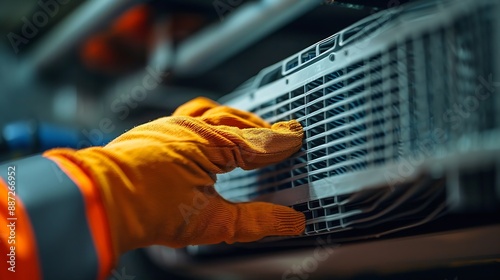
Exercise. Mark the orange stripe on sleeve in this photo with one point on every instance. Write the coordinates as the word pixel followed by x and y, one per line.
pixel 16 233
pixel 95 212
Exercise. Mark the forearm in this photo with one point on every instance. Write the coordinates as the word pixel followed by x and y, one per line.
pixel 61 226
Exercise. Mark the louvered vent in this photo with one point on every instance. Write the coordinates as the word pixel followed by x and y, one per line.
pixel 374 112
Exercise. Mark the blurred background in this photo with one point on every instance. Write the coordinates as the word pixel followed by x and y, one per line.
pixel 78 73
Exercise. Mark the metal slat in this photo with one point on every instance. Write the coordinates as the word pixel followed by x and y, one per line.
pixel 374 112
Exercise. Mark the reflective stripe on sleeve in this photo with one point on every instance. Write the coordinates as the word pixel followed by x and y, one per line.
pixel 17 240
pixel 56 208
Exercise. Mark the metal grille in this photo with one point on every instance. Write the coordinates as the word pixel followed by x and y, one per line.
pixel 377 111
pixel 366 209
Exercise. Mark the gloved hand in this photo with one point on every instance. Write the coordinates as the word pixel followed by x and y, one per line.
pixel 157 179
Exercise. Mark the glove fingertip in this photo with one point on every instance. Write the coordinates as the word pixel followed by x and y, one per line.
pixel 288 221
pixel 291 126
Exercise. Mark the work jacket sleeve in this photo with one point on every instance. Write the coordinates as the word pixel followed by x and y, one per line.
pixel 53 224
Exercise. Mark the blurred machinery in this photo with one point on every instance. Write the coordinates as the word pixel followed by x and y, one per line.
pixel 401 130
pixel 42 61
pixel 398 175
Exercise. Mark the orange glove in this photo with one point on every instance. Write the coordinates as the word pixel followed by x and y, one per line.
pixel 157 179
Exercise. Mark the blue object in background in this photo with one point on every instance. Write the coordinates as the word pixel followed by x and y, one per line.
pixel 34 137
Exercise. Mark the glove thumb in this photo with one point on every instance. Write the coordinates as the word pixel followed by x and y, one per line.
pixel 255 220
pixel 224 221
